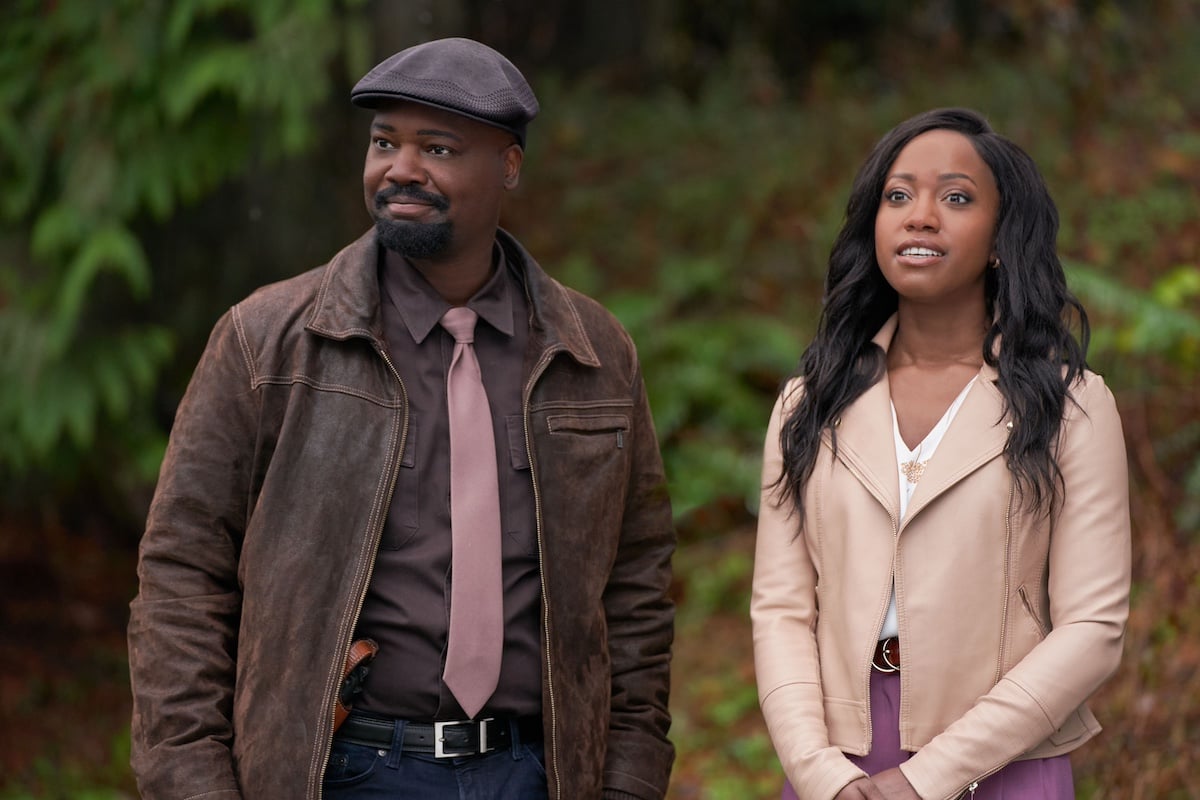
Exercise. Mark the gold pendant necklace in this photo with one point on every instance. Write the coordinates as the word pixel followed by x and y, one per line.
pixel 913 470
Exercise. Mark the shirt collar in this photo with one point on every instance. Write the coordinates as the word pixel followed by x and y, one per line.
pixel 421 307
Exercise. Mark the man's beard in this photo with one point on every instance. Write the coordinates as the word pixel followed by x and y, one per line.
pixel 414 239
pixel 406 237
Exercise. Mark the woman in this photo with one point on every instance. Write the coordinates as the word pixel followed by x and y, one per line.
pixel 942 567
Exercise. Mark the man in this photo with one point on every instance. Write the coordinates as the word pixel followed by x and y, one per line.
pixel 313 494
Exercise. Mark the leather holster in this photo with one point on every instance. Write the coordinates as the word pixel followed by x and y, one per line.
pixel 353 675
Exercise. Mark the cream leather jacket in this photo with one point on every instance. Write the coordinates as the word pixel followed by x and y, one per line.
pixel 1008 619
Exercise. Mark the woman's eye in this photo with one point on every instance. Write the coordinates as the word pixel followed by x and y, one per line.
pixel 894 196
pixel 958 198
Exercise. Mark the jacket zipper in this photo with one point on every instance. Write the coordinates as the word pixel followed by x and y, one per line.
pixel 879 619
pixel 537 505
pixel 375 536
pixel 1007 584
pixel 969 790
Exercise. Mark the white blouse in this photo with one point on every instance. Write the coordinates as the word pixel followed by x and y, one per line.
pixel 911 466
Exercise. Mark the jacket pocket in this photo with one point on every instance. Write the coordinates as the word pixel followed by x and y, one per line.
pixel 615 426
pixel 1032 612
pixel 590 444
pixel 404 517
pixel 520 523
pixel 582 455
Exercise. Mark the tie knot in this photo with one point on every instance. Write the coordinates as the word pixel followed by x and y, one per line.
pixel 460 323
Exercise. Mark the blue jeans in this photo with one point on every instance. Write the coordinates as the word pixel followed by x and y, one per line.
pixel 360 772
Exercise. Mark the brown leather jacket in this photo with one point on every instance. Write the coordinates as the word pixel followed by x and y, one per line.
pixel 262 535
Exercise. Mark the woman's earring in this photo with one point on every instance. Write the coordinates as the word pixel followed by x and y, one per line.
pixel 995 262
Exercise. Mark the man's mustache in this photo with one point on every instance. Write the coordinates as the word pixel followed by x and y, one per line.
pixel 411 193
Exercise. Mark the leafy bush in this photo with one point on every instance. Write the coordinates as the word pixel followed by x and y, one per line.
pixel 701 215
pixel 1151 340
pixel 705 221
pixel 111 113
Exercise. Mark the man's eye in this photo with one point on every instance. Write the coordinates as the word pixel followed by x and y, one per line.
pixel 439 150
pixel 383 144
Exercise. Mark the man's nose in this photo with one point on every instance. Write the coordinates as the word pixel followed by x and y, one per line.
pixel 405 167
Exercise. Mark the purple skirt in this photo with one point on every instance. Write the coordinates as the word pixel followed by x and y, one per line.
pixel 1037 779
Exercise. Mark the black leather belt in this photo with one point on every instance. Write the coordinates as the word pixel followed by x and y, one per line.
pixel 440 739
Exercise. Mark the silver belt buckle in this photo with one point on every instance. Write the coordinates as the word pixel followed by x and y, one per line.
pixel 439 739
pixel 887 659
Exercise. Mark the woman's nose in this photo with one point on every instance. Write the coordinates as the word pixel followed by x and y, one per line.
pixel 923 215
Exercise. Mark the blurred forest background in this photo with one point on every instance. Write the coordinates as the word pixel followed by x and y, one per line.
pixel 161 158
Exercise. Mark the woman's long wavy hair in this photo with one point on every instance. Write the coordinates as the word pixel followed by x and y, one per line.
pixel 1037 359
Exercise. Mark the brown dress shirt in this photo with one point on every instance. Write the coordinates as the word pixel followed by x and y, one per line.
pixel 407 608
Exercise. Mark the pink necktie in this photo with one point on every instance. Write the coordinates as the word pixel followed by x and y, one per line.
pixel 476 600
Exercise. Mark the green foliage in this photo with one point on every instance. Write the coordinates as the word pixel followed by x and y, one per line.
pixel 1161 323
pixel 692 251
pixel 61 771
pixel 708 369
pixel 57 781
pixel 113 113
pixel 701 215
pixel 704 220
pixel 1151 341
pixel 1127 229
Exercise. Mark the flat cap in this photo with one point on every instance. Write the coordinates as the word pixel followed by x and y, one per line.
pixel 458 75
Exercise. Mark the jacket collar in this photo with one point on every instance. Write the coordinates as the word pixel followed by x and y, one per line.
pixel 865 439
pixel 554 319
pixel 347 304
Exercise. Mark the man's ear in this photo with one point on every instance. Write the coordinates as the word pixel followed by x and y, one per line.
pixel 513 157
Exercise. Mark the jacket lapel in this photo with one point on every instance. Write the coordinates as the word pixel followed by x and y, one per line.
pixel 554 324
pixel 977 434
pixel 347 304
pixel 864 436
pixel 866 443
